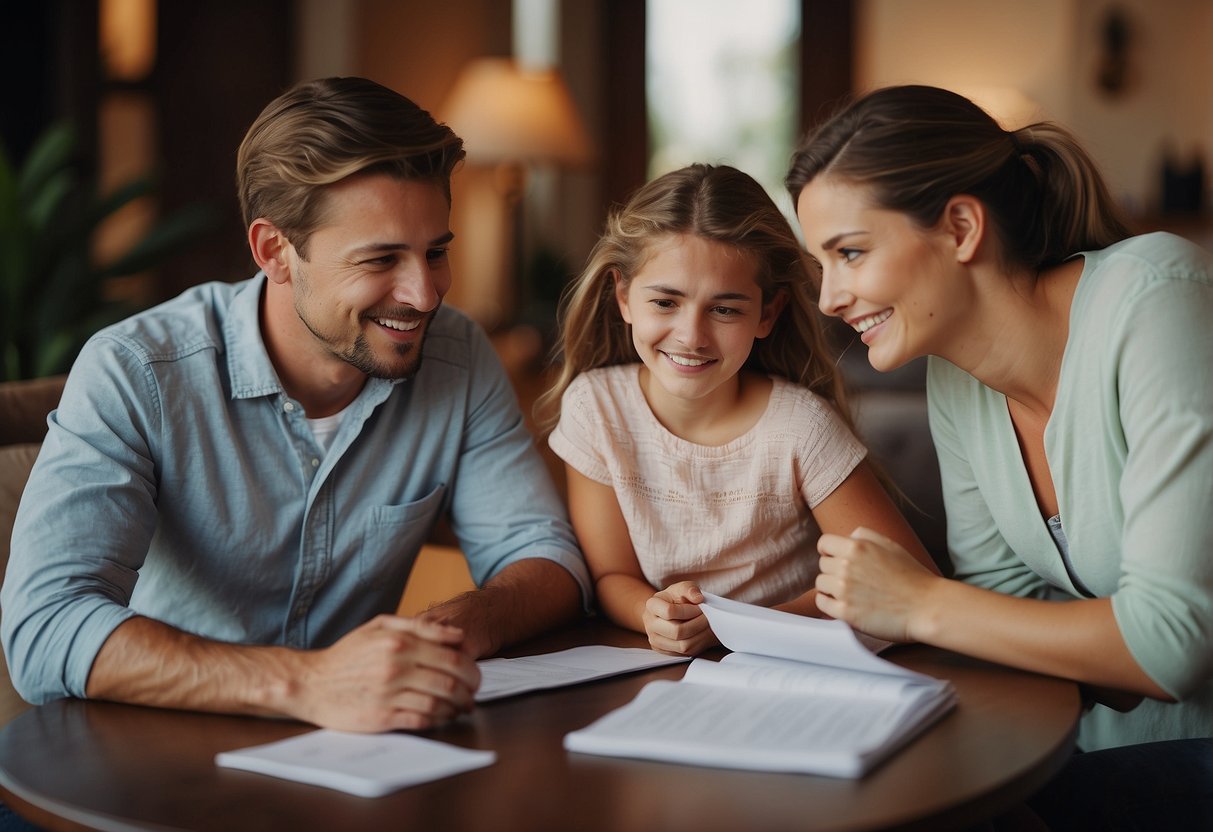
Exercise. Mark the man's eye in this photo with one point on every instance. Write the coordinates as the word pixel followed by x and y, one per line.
pixel 385 260
pixel 436 255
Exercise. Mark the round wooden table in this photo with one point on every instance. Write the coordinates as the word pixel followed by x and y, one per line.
pixel 73 764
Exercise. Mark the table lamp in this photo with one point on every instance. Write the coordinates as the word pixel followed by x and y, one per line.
pixel 511 118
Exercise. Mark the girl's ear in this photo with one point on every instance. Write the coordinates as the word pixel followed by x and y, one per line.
pixel 964 222
pixel 621 296
pixel 270 249
pixel 770 312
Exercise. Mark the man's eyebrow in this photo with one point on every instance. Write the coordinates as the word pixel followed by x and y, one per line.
pixel 667 290
pixel 374 247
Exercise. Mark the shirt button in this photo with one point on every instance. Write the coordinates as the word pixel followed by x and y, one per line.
pixel 315 463
pixel 289 407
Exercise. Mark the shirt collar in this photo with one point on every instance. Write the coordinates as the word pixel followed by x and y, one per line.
pixel 248 363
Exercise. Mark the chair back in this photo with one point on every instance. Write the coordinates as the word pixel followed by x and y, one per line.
pixel 24 406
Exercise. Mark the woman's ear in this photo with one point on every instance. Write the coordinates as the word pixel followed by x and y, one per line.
pixel 770 312
pixel 621 295
pixel 270 249
pixel 964 221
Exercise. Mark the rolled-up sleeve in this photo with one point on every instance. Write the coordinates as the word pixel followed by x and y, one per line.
pixel 505 507
pixel 1164 601
pixel 83 527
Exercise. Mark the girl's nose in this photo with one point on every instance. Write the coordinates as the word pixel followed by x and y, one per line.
pixel 689 330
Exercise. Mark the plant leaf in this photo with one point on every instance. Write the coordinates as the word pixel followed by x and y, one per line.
pixel 52 152
pixel 164 237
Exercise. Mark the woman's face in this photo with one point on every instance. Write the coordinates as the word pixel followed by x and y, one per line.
pixel 889 279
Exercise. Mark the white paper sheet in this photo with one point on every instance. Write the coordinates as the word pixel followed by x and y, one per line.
pixel 747 628
pixel 367 765
pixel 506 677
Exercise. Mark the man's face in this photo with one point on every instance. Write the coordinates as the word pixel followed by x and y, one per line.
pixel 376 272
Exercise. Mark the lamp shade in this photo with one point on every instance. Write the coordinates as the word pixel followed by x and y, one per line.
pixel 508 114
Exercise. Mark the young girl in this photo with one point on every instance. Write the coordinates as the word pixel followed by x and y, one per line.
pixel 703 427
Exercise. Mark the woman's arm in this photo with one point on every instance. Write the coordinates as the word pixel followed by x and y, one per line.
pixel 872 583
pixel 860 501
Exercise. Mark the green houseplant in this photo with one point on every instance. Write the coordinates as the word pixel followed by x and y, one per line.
pixel 51 290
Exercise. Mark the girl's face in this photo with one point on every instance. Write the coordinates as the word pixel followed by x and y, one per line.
pixel 887 277
pixel 695 308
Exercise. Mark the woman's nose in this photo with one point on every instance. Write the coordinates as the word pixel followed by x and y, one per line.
pixel 833 298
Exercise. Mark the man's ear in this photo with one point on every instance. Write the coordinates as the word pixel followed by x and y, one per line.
pixel 621 296
pixel 270 249
pixel 964 221
pixel 770 312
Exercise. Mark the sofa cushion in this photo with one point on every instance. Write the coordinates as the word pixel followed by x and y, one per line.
pixel 23 408
pixel 15 464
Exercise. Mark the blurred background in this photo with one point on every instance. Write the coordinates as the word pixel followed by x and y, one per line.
pixel 566 107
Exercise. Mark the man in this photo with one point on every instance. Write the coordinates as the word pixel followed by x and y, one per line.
pixel 235 486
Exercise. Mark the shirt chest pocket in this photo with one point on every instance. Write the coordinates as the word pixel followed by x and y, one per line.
pixel 393 536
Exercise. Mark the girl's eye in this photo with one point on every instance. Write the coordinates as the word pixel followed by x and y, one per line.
pixel 726 311
pixel 663 303
pixel 848 254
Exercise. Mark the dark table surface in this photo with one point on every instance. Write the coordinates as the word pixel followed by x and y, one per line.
pixel 73 764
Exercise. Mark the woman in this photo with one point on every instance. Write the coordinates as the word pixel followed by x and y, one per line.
pixel 1070 406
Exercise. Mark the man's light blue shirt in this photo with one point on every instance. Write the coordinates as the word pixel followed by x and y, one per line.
pixel 179 481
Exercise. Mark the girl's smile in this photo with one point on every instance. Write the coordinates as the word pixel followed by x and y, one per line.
pixel 695 308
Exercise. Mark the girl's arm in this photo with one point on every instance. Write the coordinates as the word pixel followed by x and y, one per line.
pixel 860 501
pixel 603 533
pixel 672 621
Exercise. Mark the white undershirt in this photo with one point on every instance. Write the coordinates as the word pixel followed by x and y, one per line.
pixel 325 428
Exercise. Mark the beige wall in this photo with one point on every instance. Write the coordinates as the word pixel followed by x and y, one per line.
pixel 1048 50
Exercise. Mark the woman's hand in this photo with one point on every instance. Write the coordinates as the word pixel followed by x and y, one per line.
pixel 872 583
pixel 675 624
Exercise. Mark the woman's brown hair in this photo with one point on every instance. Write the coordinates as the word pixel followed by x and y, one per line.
pixel 915 147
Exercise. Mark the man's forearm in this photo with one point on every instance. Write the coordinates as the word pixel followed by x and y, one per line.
pixel 523 600
pixel 146 662
pixel 387 674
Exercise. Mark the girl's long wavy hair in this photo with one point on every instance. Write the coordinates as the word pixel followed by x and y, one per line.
pixel 714 202
pixel 915 147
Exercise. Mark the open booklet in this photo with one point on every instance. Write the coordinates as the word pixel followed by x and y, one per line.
pixel 797 694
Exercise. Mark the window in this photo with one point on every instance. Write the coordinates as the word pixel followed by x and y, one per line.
pixel 722 85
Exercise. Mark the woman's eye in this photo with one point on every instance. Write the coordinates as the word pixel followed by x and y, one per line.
pixel 848 254
pixel 663 303
pixel 726 311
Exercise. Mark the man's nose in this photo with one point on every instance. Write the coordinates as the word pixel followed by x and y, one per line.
pixel 417 286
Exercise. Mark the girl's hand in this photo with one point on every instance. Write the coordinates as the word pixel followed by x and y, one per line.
pixel 872 583
pixel 674 622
